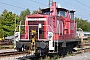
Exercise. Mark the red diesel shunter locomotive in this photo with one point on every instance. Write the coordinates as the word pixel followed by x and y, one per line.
pixel 52 31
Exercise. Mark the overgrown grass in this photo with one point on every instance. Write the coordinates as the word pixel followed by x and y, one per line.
pixel 89 38
pixel 0 47
pixel 7 46
pixel 56 57
pixel 70 54
pixel 47 58
pixel 50 58
pixel 41 58
pixel 11 46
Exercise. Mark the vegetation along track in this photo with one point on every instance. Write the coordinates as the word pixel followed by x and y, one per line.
pixel 6 45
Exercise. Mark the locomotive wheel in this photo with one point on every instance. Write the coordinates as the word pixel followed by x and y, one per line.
pixel 43 48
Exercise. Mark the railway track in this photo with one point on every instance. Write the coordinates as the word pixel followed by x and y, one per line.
pixel 3 54
pixel 85 48
pixel 6 43
pixel 27 56
pixel 37 58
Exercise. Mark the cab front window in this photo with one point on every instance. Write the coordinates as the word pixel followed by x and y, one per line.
pixel 48 12
pixel 62 13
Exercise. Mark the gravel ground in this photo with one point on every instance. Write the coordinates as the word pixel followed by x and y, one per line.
pixel 82 56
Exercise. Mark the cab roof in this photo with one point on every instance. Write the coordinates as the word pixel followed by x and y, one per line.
pixel 48 9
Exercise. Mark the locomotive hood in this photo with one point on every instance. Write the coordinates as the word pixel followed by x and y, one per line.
pixel 36 16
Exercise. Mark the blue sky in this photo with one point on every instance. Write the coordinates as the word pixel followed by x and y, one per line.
pixel 82 11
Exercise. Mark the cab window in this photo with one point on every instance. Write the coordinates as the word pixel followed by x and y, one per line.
pixel 62 13
pixel 71 15
pixel 48 12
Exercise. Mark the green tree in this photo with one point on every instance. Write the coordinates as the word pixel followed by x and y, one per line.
pixel 22 18
pixel 7 22
pixel 35 11
pixel 23 14
pixel 1 30
pixel 84 24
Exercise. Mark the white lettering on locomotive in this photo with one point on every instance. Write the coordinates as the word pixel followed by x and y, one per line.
pixel 35 19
